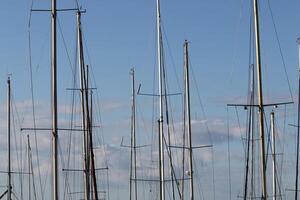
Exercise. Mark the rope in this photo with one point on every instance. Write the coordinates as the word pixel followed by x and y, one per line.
pixel 207 128
pixel 280 50
pixel 33 105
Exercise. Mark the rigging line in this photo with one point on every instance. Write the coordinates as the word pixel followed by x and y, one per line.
pixel 170 119
pixel 171 166
pixel 97 94
pixel 47 174
pixel 33 112
pixel 200 100
pixel 32 172
pixel 283 144
pixel 235 43
pixel 63 164
pixel 167 120
pixel 153 186
pixel 30 13
pixel 205 118
pixel 278 177
pixel 99 112
pixel 18 147
pixel 77 4
pixel 65 45
pixel 268 139
pixel 280 50
pixel 229 157
pixel 72 117
pixel 139 111
pixel 240 128
pixel 197 174
pixel 171 56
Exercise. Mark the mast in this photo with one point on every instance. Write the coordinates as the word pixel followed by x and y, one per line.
pixel 188 117
pixel 160 121
pixel 274 155
pixel 249 130
pixel 260 101
pixel 93 170
pixel 29 168
pixel 54 102
pixel 83 110
pixel 298 129
pixel 8 141
pixel 133 142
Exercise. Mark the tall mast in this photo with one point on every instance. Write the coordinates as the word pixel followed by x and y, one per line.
pixel 298 129
pixel 188 118
pixel 54 103
pixel 260 101
pixel 93 169
pixel 133 142
pixel 8 142
pixel 160 121
pixel 83 110
pixel 274 154
pixel 29 168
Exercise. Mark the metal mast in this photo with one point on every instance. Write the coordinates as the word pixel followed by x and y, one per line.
pixel 133 142
pixel 160 121
pixel 298 130
pixel 188 117
pixel 29 168
pixel 83 110
pixel 54 102
pixel 274 155
pixel 260 101
pixel 90 129
pixel 8 141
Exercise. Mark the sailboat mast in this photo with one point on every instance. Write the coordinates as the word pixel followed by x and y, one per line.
pixel 29 167
pixel 260 101
pixel 188 117
pixel 83 110
pixel 274 155
pixel 8 142
pixel 93 169
pixel 298 130
pixel 160 121
pixel 133 140
pixel 54 102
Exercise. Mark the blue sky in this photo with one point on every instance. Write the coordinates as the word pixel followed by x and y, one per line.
pixel 121 34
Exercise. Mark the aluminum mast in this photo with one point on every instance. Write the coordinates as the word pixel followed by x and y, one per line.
pixel 83 109
pixel 188 117
pixel 133 141
pixel 274 154
pixel 260 101
pixel 160 121
pixel 298 129
pixel 54 102
pixel 8 141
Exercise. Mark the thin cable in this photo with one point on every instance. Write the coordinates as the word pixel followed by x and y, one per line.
pixel 33 106
pixel 280 50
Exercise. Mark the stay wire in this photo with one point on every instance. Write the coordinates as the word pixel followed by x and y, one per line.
pixel 207 128
pixel 280 50
pixel 18 147
pixel 33 104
